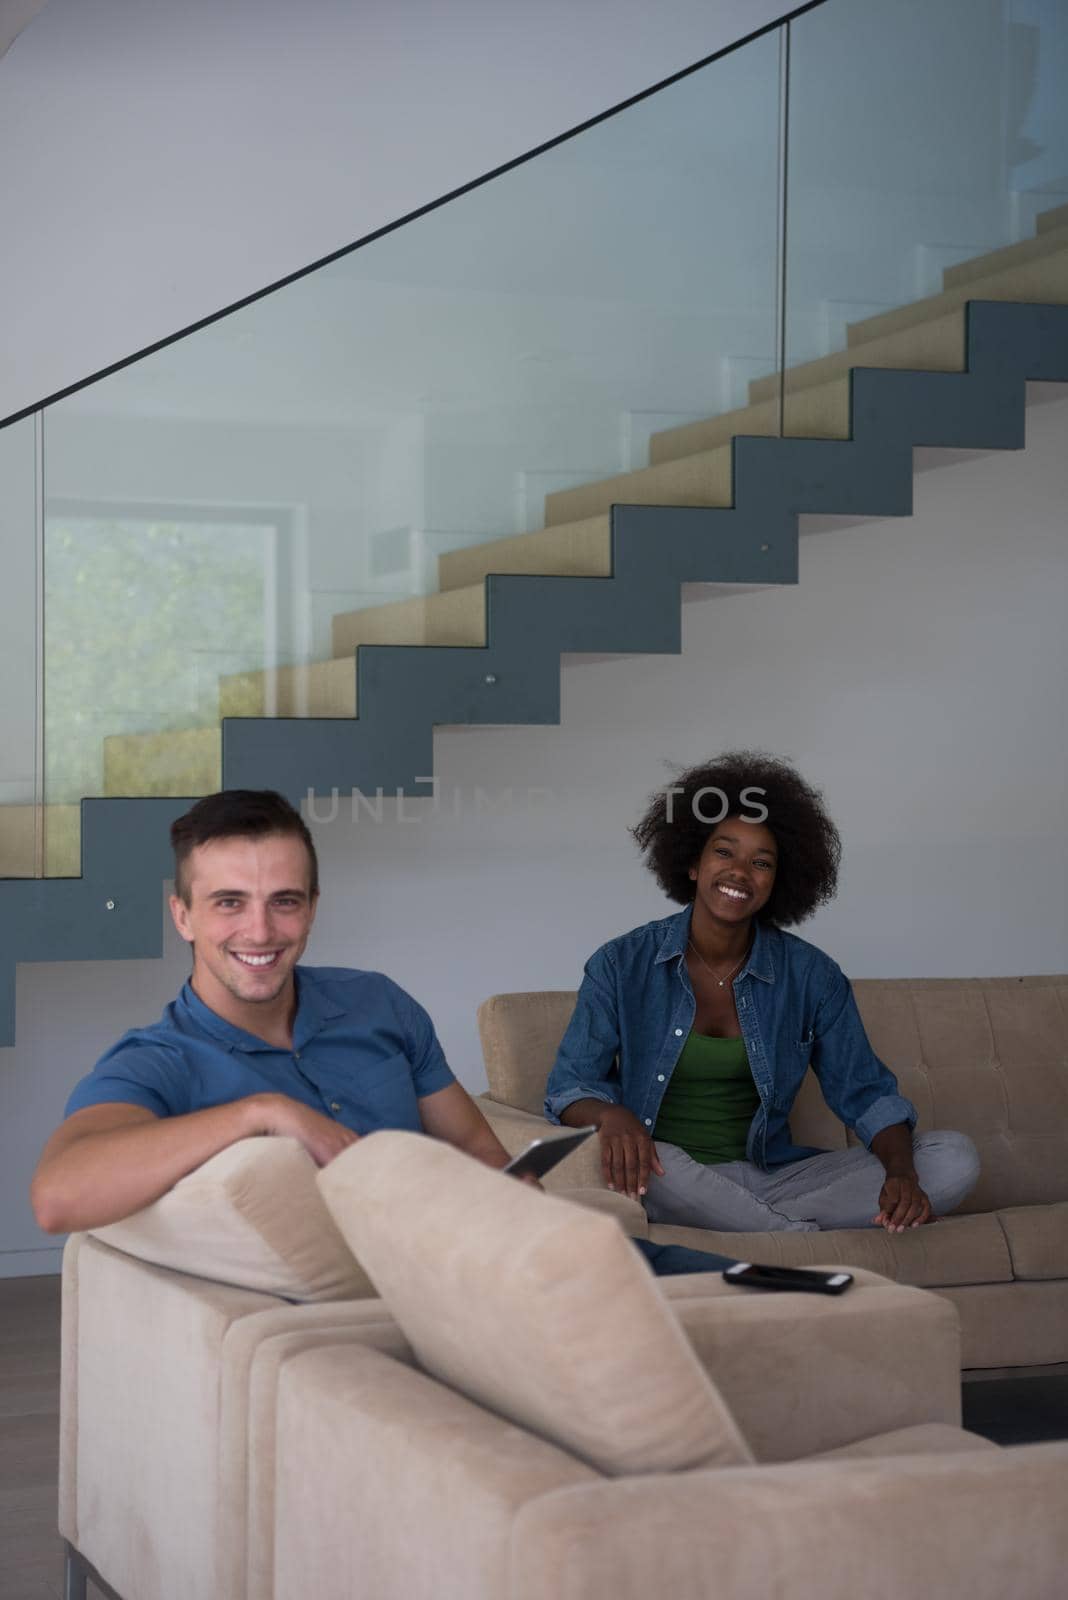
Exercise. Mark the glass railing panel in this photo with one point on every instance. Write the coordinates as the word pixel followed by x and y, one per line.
pixel 22 844
pixel 214 508
pixel 928 164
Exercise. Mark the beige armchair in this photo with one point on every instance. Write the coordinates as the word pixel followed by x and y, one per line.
pixel 176 1324
pixel 985 1056
pixel 566 1427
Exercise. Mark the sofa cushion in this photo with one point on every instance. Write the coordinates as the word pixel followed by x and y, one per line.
pixel 540 1310
pixel 954 1250
pixel 251 1216
pixel 1037 1237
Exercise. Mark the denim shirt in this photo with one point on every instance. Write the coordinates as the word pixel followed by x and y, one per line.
pixel 796 1009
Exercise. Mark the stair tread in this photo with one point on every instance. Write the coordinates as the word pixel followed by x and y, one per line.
pixel 871 342
pixel 451 616
pixel 821 412
pixel 1008 255
pixel 307 689
pixel 61 842
pixel 578 549
pixel 979 285
pixel 1056 217
pixel 702 478
pixel 177 761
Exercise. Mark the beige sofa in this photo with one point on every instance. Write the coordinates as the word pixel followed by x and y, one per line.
pixel 986 1056
pixel 177 1482
pixel 565 1429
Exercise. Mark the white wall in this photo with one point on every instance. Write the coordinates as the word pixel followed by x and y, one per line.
pixel 159 161
pixel 916 673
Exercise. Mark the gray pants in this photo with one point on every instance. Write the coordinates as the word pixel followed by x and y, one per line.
pixel 836 1190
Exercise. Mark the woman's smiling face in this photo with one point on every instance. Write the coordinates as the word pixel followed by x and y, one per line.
pixel 735 873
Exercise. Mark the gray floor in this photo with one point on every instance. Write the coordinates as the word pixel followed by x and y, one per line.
pixel 31 1565
pixel 1009 1410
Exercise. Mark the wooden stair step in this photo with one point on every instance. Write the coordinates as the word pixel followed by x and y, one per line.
pixel 927 335
pixel 62 844
pixel 1010 255
pixel 933 345
pixel 702 479
pixel 317 689
pixel 1057 217
pixel 1038 280
pixel 818 413
pixel 182 761
pixel 569 550
pixel 455 617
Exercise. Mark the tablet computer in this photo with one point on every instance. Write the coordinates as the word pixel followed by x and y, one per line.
pixel 541 1155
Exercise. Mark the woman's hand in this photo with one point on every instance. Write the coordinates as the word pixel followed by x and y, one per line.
pixel 902 1204
pixel 628 1153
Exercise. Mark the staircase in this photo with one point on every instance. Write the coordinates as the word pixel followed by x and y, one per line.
pixel 718 503
pixel 690 466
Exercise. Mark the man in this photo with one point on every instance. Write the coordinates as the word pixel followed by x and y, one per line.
pixel 255 1044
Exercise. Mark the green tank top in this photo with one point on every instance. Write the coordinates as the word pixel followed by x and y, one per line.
pixel 710 1101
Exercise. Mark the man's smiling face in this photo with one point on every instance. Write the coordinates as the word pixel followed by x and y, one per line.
pixel 248 917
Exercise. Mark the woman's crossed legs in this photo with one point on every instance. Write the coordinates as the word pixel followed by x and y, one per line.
pixel 839 1189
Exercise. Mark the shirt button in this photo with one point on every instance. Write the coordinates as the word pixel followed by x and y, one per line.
pixel 648 1122
pixel 678 1033
pixel 660 1077
pixel 335 1105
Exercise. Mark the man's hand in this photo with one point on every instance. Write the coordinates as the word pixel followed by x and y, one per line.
pixel 321 1136
pixel 902 1204
pixel 628 1153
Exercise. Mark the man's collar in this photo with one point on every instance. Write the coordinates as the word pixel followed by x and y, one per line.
pixel 314 1010
pixel 761 962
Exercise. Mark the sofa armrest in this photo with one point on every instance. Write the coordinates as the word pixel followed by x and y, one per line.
pixel 979 1525
pixel 804 1373
pixel 515 1129
pixel 390 1484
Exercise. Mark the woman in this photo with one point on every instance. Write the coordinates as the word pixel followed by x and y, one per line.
pixel 692 1034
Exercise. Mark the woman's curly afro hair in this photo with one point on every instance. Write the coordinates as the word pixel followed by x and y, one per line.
pixel 672 833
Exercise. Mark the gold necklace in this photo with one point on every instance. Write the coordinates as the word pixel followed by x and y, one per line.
pixel 722 982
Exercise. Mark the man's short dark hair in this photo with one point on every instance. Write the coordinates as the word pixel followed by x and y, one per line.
pixel 237 814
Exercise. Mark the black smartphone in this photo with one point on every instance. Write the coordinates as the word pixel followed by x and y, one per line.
pixel 541 1155
pixel 753 1276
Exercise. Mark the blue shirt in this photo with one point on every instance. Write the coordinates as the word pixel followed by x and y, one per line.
pixel 636 1007
pixel 363 1053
